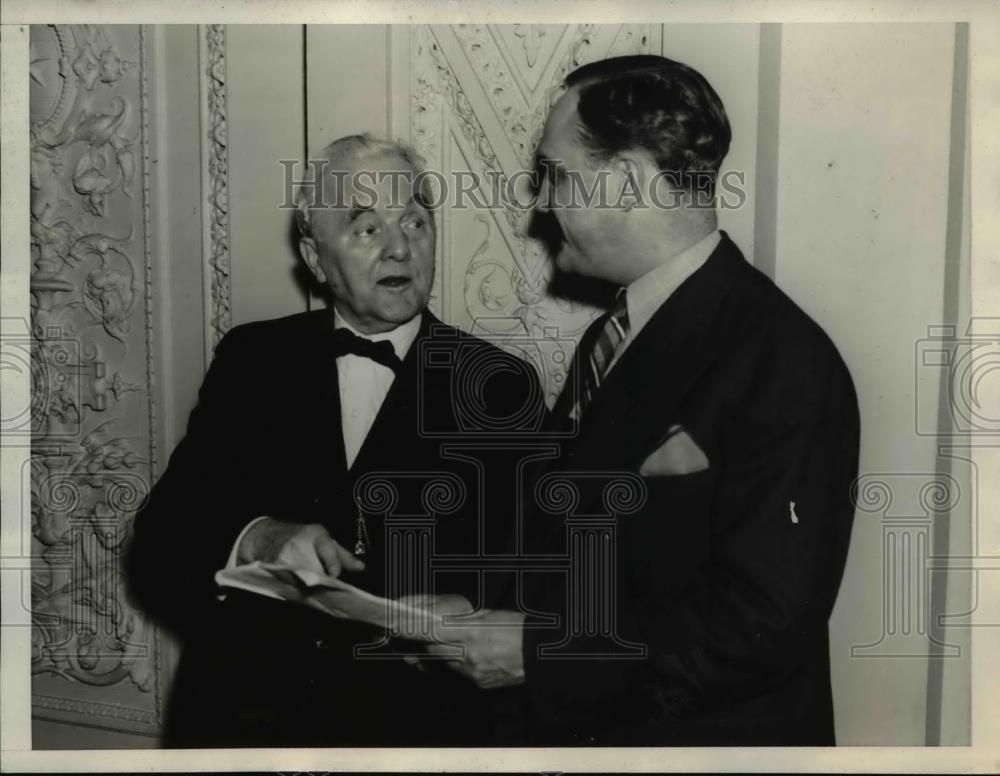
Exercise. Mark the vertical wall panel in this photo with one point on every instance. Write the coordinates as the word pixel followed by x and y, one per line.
pixel 16 398
pixel 984 196
pixel 949 681
pixel 765 200
pixel 734 78
pixel 265 123
pixel 176 223
pixel 92 429
pixel 862 215
pixel 347 76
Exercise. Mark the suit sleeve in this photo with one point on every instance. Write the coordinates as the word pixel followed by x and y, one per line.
pixel 780 530
pixel 186 530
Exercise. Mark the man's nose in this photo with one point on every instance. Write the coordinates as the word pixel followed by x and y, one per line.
pixel 397 247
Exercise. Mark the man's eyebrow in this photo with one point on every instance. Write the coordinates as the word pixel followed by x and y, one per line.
pixel 356 211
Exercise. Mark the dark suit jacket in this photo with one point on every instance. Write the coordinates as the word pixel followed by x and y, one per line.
pixel 728 594
pixel 266 439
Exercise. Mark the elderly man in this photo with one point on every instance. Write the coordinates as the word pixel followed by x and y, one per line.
pixel 291 415
pixel 734 409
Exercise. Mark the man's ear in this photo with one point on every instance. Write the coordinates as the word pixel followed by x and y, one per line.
pixel 310 254
pixel 632 179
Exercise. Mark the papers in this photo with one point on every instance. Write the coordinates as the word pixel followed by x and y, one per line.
pixel 332 596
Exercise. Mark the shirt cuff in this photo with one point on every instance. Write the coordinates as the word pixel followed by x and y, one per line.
pixel 233 562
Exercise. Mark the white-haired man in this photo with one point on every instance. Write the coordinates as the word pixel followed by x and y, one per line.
pixel 292 414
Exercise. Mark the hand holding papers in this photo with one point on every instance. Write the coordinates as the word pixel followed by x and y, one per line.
pixel 483 646
pixel 332 596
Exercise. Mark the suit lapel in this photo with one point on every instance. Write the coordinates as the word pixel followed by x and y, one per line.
pixel 323 423
pixel 397 417
pixel 641 395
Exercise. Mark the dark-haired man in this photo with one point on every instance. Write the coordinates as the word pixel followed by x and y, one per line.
pixel 734 409
pixel 292 415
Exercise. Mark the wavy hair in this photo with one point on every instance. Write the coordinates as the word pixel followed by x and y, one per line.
pixel 657 105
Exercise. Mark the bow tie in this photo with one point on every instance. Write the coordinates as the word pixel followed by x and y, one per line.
pixel 381 352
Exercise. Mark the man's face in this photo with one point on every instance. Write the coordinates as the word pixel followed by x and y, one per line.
pixel 376 256
pixel 589 232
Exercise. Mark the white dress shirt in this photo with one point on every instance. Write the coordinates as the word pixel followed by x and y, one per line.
pixel 363 385
pixel 645 295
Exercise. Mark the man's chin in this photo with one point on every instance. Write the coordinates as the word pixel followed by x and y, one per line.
pixel 402 310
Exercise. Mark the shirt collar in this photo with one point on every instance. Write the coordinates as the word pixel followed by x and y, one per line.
pixel 402 337
pixel 646 294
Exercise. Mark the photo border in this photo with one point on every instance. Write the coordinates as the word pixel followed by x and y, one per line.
pixel 984 86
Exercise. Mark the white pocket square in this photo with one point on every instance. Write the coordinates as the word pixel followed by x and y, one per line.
pixel 678 454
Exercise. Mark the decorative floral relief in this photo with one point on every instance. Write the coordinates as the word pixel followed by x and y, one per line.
pixel 504 282
pixel 493 72
pixel 90 414
pixel 487 283
pixel 108 291
pixel 106 66
pixel 427 117
pixel 80 503
pixel 218 175
pixel 106 164
pixel 631 39
pixel 530 35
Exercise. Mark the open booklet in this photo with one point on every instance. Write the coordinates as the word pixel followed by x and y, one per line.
pixel 332 596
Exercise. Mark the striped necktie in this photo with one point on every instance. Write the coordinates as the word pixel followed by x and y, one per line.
pixel 596 353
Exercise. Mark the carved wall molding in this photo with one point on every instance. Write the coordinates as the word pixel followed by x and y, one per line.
pixel 530 35
pixel 147 242
pixel 215 153
pixel 461 77
pixel 90 709
pixel 92 409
